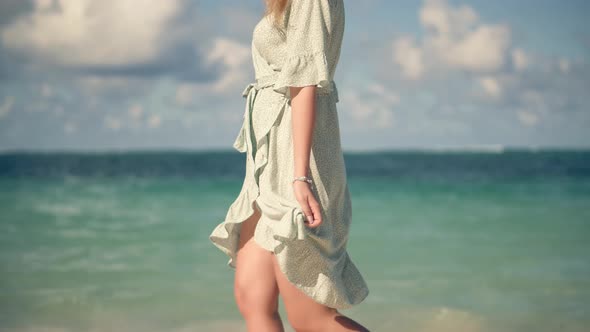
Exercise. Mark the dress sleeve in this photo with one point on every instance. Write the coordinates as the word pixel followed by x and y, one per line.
pixel 308 30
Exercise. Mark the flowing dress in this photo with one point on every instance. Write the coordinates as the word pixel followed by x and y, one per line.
pixel 304 51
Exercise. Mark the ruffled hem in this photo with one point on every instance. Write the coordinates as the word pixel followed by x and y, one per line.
pixel 224 236
pixel 303 70
pixel 287 224
pixel 336 290
pixel 290 216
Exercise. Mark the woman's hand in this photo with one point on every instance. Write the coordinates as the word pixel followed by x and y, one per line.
pixel 308 203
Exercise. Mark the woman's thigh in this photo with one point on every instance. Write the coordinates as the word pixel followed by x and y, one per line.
pixel 302 310
pixel 255 286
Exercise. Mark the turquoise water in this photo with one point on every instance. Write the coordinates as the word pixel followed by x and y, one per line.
pixel 446 241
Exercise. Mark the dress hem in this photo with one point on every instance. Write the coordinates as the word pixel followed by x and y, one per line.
pixel 223 242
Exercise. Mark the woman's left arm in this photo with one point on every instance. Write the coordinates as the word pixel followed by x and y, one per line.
pixel 303 109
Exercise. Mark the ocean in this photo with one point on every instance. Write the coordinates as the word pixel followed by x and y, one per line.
pixel 462 241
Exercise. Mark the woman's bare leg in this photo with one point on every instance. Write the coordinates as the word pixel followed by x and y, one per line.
pixel 255 288
pixel 305 314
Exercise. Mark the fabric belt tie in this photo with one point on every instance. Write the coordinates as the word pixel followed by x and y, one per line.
pixel 249 93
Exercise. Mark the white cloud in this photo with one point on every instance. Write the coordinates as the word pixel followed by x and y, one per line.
pixel 154 121
pixel 135 118
pixel 457 46
pixel 527 118
pixel 96 86
pixel 387 96
pixel 373 106
pixel 229 52
pixel 6 106
pixel 564 65
pixel 70 127
pixel 445 21
pixel 235 60
pixel 482 50
pixel 112 122
pixel 233 56
pixel 86 32
pixel 454 39
pixel 135 111
pixel 534 100
pixel 491 86
pixel 408 57
pixel 520 59
pixel 46 90
pixel 43 4
pixel 135 114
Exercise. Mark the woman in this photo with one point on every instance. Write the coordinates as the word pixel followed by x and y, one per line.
pixel 288 229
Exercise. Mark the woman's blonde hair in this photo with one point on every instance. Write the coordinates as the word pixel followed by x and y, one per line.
pixel 276 9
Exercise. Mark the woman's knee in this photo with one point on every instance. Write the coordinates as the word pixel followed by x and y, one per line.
pixel 255 287
pixel 253 301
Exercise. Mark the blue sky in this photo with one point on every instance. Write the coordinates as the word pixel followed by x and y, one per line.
pixel 139 74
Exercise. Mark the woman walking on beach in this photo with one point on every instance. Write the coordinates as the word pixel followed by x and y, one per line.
pixel 287 231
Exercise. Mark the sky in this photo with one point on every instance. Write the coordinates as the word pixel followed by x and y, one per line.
pixel 433 74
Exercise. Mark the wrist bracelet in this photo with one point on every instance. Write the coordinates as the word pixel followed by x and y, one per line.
pixel 302 178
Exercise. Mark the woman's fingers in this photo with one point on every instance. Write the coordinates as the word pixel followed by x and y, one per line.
pixel 315 210
pixel 308 203
pixel 307 210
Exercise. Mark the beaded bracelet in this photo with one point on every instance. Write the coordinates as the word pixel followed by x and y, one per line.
pixel 302 178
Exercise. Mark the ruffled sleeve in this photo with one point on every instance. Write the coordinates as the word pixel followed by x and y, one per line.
pixel 308 31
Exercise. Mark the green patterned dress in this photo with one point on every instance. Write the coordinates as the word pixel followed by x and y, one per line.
pixel 305 51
